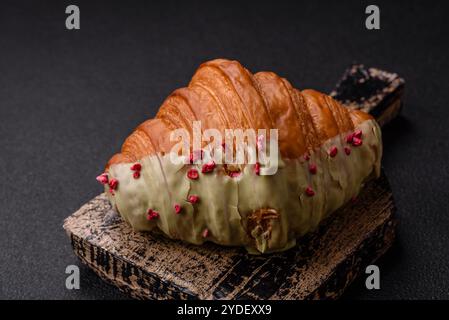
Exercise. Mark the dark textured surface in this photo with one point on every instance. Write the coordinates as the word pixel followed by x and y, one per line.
pixel 68 99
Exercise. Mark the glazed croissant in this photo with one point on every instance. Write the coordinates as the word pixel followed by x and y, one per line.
pixel 326 153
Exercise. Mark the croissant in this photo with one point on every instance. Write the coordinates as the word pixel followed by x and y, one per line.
pixel 326 153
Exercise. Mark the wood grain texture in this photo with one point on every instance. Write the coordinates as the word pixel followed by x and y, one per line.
pixel 372 90
pixel 321 266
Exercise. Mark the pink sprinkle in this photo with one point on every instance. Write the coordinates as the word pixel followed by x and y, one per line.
pixel 208 167
pixel 257 168
pixel 136 175
pixel 136 167
pixel 333 151
pixel 103 178
pixel 192 174
pixel 348 150
pixel 312 168
pixel 356 142
pixel 113 184
pixel 152 214
pixel 193 199
pixel 178 208
pixel 310 192
pixel 234 174
pixel 349 137
pixel 205 233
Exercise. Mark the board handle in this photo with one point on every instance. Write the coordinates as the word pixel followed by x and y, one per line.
pixel 375 91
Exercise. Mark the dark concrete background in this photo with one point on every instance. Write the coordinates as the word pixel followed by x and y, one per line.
pixel 69 98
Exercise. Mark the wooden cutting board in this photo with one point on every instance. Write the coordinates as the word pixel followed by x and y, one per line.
pixel 321 266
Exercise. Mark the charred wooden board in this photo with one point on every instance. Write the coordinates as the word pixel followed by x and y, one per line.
pixel 147 265
pixel 372 90
pixel 321 266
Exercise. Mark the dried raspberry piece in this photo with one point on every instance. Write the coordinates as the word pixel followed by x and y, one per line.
pixel 333 151
pixel 232 170
pixel 208 167
pixel 192 174
pixel 136 175
pixel 355 135
pixel 136 167
pixel 347 151
pixel 205 233
pixel 306 157
pixel 103 178
pixel 177 208
pixel 312 168
pixel 356 142
pixel 257 168
pixel 193 199
pixel 349 137
pixel 309 191
pixel 152 214
pixel 113 184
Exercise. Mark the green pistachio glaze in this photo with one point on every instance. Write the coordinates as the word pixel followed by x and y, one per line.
pixel 226 203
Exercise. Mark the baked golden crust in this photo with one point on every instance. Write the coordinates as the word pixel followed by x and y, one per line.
pixel 224 95
pixel 326 154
